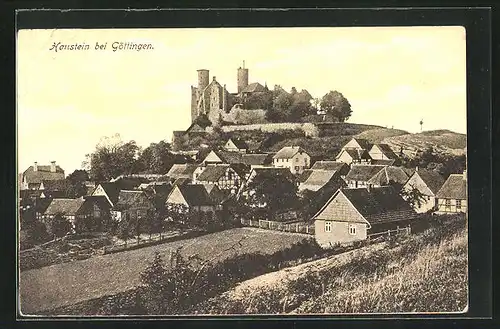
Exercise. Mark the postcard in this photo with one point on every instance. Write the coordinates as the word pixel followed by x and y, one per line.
pixel 242 171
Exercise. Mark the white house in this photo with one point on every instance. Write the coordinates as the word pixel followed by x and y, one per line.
pixel 293 158
pixel 428 183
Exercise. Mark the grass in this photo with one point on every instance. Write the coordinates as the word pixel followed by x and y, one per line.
pixel 425 272
pixel 66 284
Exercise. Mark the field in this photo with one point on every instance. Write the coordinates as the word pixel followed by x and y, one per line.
pixel 425 272
pixel 65 284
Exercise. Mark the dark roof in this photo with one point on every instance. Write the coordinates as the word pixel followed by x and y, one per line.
pixel 389 174
pixel 317 179
pixel 328 165
pixel 182 181
pixel 254 87
pixel 159 194
pixel 195 195
pixel 239 143
pixel 42 204
pixel 64 206
pixel 112 190
pixel 387 151
pixel 182 170
pixel 216 194
pixel 229 157
pixel 213 173
pixel 455 187
pixel 256 159
pixel 178 133
pixel 379 204
pixel 365 144
pixel 383 162
pixel 362 173
pixel 431 178
pixel 357 154
pixel 42 173
pixel 195 128
pixel 288 152
pixel 241 169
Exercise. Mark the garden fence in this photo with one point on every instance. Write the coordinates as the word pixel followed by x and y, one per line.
pixel 294 227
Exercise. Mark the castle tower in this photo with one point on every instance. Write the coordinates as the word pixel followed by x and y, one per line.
pixel 242 80
pixel 203 80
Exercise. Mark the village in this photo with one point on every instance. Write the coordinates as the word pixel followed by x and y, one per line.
pixel 364 192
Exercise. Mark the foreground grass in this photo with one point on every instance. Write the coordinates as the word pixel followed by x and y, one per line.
pixel 425 272
pixel 70 283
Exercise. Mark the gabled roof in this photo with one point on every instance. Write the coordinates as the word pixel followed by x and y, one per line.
pixel 356 154
pixel 69 207
pixel 387 151
pixel 239 143
pixel 254 87
pixel 229 157
pixel 288 152
pixel 383 162
pixel 431 178
pixel 182 170
pixel 213 173
pixel 363 143
pixel 112 190
pixel 362 173
pixel 389 174
pixel 181 181
pixel 317 179
pixel 455 187
pixel 42 173
pixel 216 194
pixel 380 204
pixel 195 128
pixel 328 165
pixel 256 159
pixel 195 195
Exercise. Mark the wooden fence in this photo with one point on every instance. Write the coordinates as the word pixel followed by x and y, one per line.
pixel 397 231
pixel 295 227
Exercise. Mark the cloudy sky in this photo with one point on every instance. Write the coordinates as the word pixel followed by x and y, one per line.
pixel 68 100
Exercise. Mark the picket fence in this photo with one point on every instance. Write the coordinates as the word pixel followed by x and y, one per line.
pixel 133 243
pixel 397 231
pixel 293 227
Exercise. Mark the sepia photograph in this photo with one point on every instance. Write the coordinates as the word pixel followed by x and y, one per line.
pixel 242 171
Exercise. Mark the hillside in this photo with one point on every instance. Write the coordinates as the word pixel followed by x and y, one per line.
pixel 442 141
pixel 425 272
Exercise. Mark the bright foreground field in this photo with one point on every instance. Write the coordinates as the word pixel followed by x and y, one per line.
pixel 422 273
pixel 65 284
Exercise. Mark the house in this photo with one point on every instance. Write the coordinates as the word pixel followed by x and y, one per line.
pixel 216 195
pixel 356 156
pixel 257 159
pixel 236 145
pixel 132 204
pixel 452 196
pixel 357 144
pixel 79 212
pixel 352 214
pixel 222 175
pixel 100 210
pixel 388 175
pixel 192 197
pixel 317 179
pixel 264 172
pixel 33 177
pixel 359 175
pixel 109 190
pixel 428 183
pixel 215 157
pixel 185 170
pixel 292 157
pixel 341 167
pixel 382 152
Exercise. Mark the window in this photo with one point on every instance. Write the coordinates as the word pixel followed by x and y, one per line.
pixel 459 204
pixel 352 229
pixel 328 226
pixel 297 168
pixel 447 203
pixel 296 159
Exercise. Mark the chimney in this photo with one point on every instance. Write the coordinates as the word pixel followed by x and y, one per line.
pixel 35 166
pixel 52 166
pixel 214 78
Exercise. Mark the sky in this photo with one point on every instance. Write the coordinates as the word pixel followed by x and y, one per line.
pixel 68 100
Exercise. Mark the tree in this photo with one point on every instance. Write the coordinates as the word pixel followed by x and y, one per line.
pixel 282 105
pixel 112 157
pixel 58 226
pixel 336 105
pixel 75 184
pixel 271 192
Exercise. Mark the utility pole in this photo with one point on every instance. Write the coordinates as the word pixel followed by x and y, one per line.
pixel 421 124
